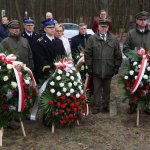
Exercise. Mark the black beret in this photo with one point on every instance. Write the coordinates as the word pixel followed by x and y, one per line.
pixel 104 22
pixel 142 15
pixel 14 24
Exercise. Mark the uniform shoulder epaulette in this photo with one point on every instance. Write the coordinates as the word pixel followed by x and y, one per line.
pixel 40 39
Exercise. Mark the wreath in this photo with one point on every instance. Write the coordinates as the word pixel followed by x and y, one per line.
pixel 17 89
pixel 63 102
pixel 136 80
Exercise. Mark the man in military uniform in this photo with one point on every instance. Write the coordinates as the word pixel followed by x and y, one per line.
pixel 136 38
pixel 48 49
pixel 103 58
pixel 32 37
pixel 19 44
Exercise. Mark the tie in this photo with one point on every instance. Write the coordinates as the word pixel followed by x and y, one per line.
pixel 30 35
pixel 103 36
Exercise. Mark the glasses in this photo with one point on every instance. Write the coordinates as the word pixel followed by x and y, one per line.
pixel 59 31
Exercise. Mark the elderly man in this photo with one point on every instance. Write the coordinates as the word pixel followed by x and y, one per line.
pixel 17 43
pixel 103 58
pixel 136 38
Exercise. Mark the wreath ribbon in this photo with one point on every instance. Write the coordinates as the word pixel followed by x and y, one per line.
pixel 141 52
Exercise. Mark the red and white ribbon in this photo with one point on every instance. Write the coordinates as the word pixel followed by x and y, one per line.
pixel 140 52
pixel 65 64
pixel 8 59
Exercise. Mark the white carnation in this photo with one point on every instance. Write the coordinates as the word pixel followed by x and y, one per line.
pixel 0 67
pixel 59 71
pixel 26 81
pixel 71 71
pixel 14 84
pixel 148 68
pixel 71 90
pixel 131 72
pixel 139 66
pixel 52 91
pixel 135 63
pixel 75 83
pixel 79 75
pixel 67 74
pixel 58 78
pixel 61 84
pixel 5 78
pixel 126 77
pixel 82 67
pixel 52 83
pixel 9 94
pixel 77 95
pixel 9 66
pixel 135 77
pixel 70 84
pixel 67 94
pixel 72 77
pixel 64 89
pixel 80 87
pixel 81 91
pixel 145 76
pixel 58 93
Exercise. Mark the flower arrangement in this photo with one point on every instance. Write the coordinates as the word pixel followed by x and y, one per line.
pixel 136 80
pixel 9 90
pixel 63 100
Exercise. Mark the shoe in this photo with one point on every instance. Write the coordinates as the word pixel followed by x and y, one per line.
pixel 105 109
pixel 95 111
pixel 131 110
pixel 147 111
pixel 13 125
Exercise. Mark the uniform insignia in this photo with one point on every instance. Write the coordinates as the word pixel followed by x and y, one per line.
pixel 40 39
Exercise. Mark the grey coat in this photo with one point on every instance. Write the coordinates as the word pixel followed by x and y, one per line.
pixel 22 48
pixel 103 58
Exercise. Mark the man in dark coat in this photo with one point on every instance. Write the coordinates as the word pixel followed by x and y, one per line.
pixel 3 28
pixel 103 58
pixel 48 49
pixel 79 40
pixel 136 38
pixel 32 37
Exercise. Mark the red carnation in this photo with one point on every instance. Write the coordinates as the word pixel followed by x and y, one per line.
pixel 4 106
pixel 67 117
pixel 76 103
pixel 64 121
pixel 27 97
pixel 70 115
pixel 72 120
pixel 58 104
pixel 141 93
pixel 60 111
pixel 140 86
pixel 68 109
pixel 82 96
pixel 128 84
pixel 25 86
pixel 75 109
pixel 51 102
pixel 63 106
pixel 84 102
pixel 147 87
pixel 135 99
pixel 74 97
pixel 54 113
pixel 63 97
pixel 14 93
pixel 72 105
pixel 69 100
pixel 79 108
pixel 61 122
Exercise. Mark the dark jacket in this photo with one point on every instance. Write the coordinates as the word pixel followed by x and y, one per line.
pixel 22 48
pixel 76 41
pixel 103 58
pixel 3 32
pixel 136 39
pixel 47 52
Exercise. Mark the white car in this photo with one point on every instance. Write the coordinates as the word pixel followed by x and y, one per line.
pixel 72 29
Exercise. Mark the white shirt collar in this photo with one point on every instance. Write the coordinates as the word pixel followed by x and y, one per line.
pixel 50 37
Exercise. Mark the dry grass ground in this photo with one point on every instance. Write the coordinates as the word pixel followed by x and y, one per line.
pixel 95 132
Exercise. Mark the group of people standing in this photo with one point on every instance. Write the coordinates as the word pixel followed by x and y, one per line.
pixel 103 55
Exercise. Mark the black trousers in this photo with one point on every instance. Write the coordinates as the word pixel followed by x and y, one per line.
pixel 101 92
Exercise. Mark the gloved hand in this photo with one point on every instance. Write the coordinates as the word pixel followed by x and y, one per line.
pixel 45 67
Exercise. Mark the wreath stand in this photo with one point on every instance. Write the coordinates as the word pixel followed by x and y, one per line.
pixel 138 116
pixel 2 132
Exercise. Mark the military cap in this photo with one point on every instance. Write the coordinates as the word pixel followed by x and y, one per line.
pixel 14 24
pixel 28 21
pixel 142 15
pixel 104 22
pixel 48 23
